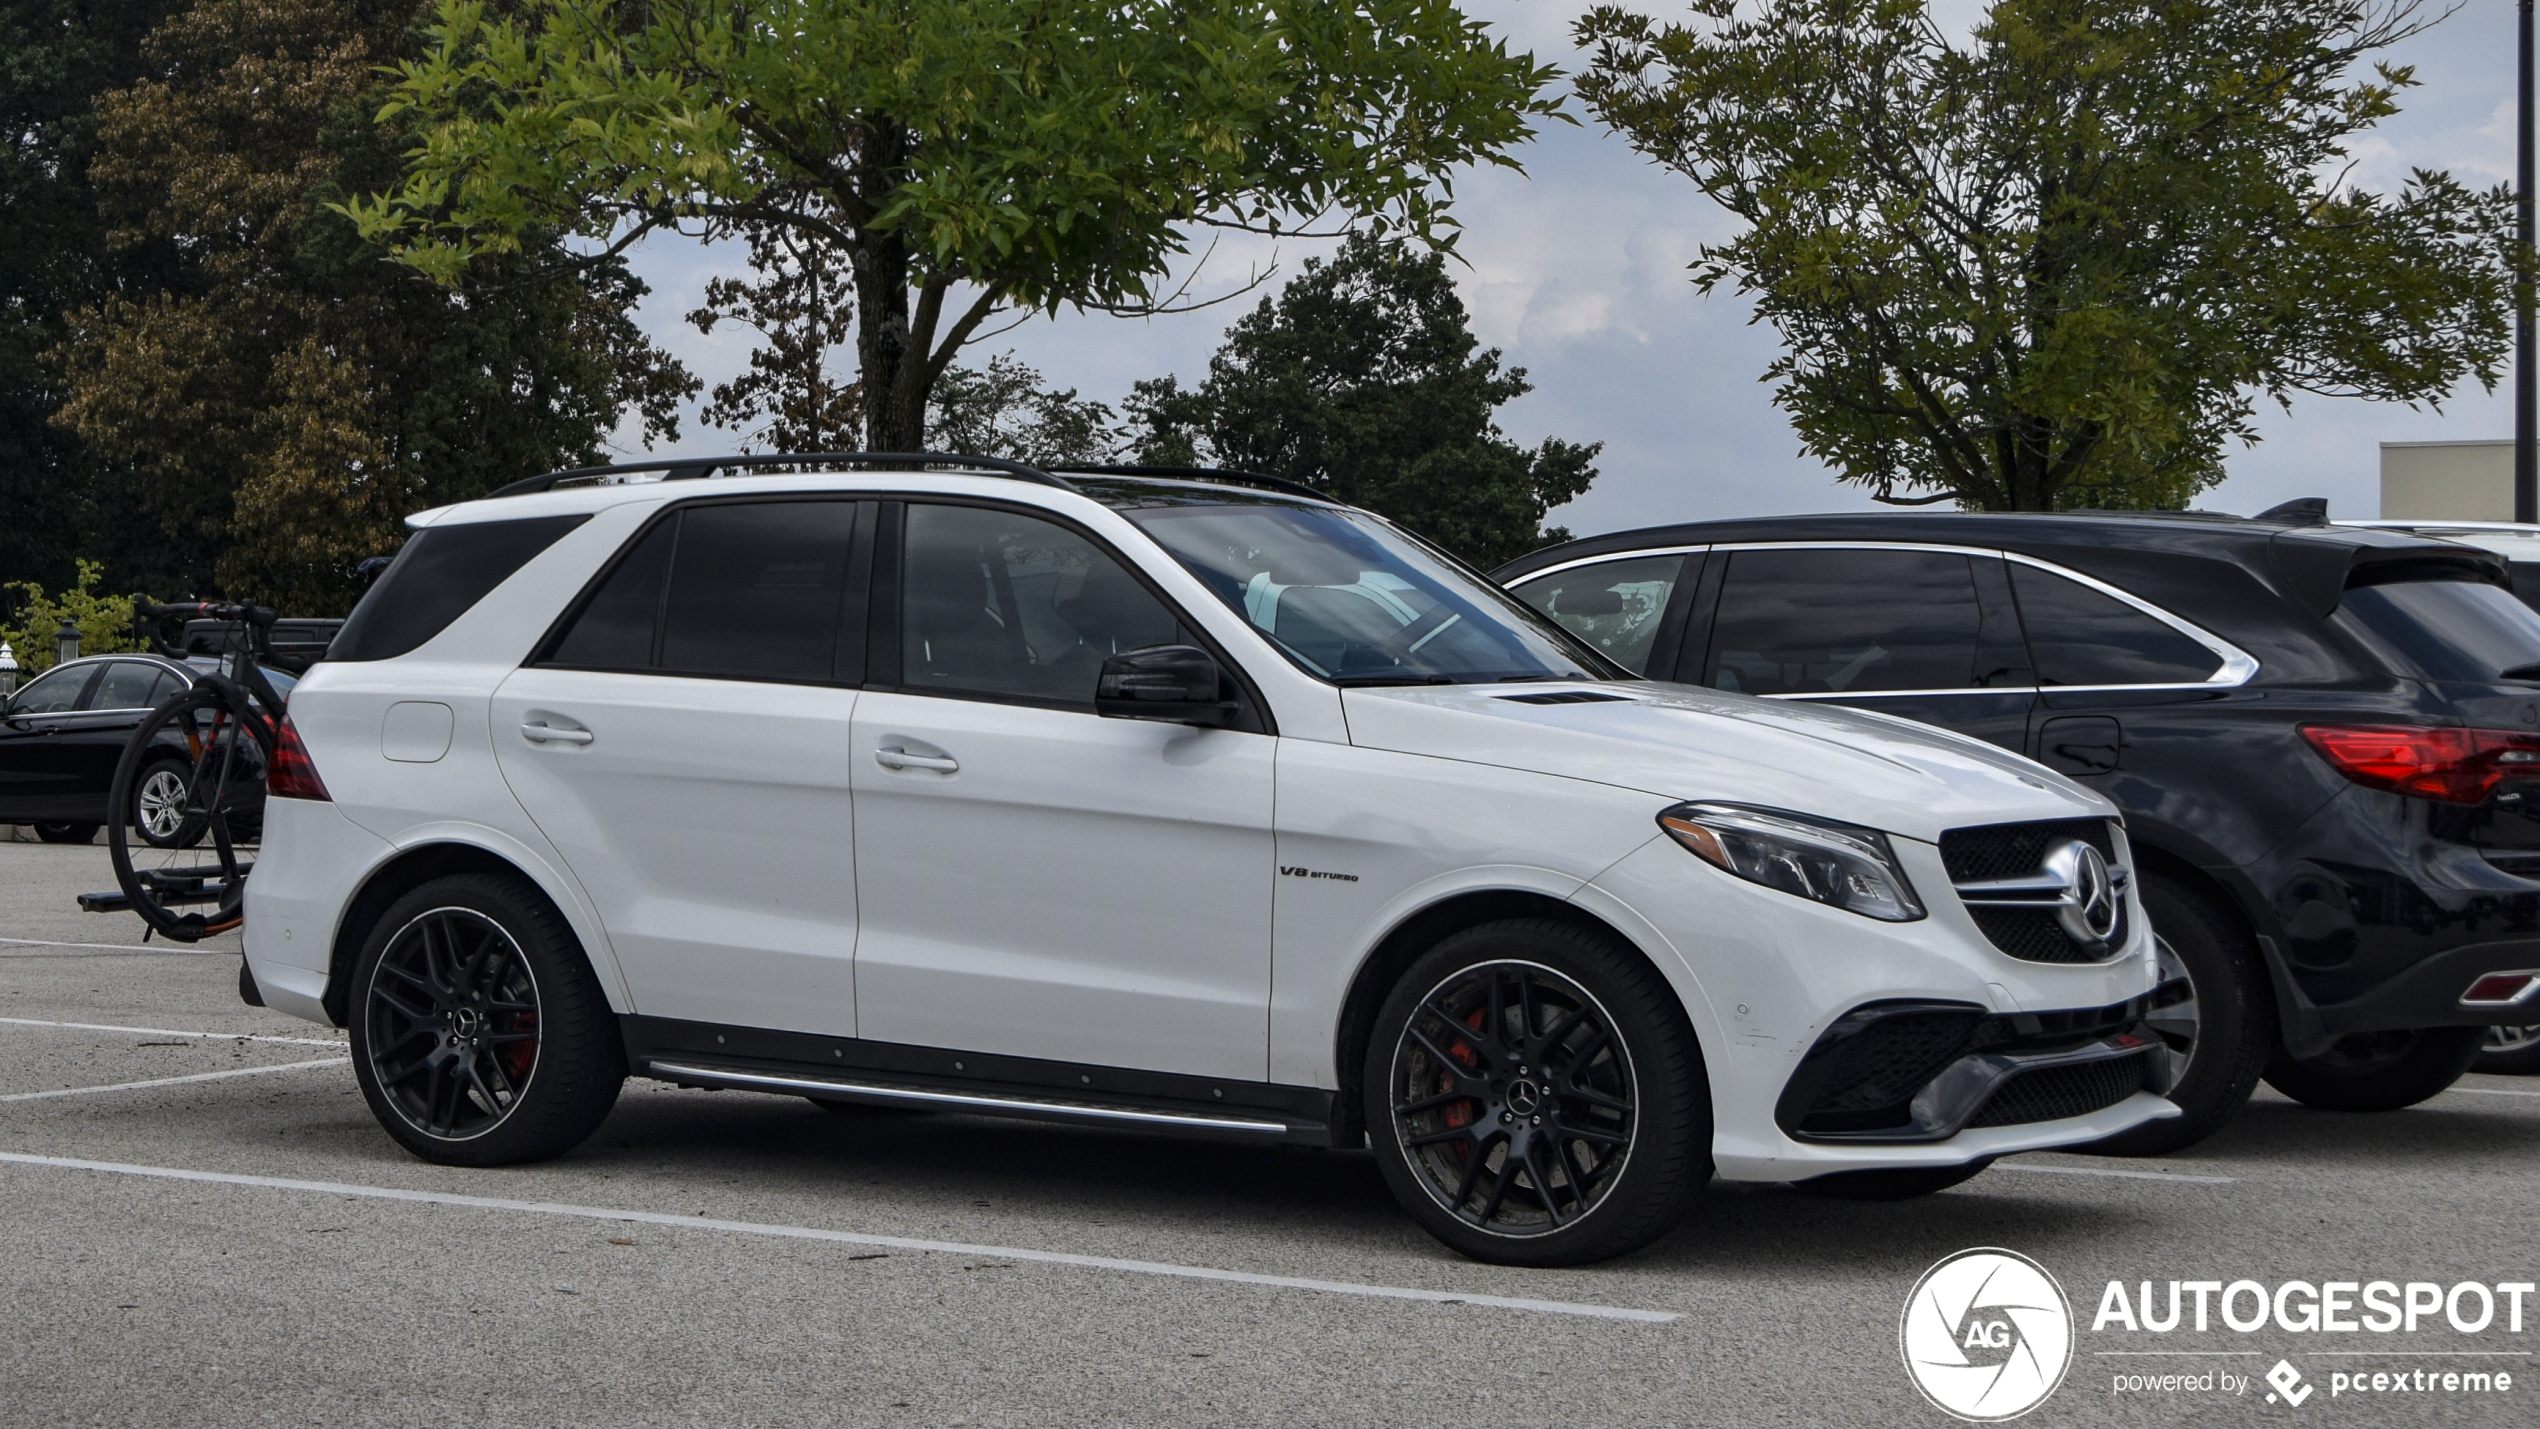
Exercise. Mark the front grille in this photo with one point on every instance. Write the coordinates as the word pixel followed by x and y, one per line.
pixel 2009 850
pixel 2054 1093
pixel 2033 935
pixel 1868 1080
pixel 1997 851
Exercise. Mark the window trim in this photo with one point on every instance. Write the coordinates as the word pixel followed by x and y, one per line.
pixel 890 573
pixel 2238 666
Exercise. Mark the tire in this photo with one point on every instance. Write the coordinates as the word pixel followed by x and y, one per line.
pixel 2509 1051
pixel 67 833
pixel 1588 1038
pixel 453 982
pixel 1902 1183
pixel 2218 1036
pixel 248 992
pixel 2379 1071
pixel 157 809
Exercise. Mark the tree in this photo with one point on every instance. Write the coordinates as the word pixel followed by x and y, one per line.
pixel 296 395
pixel 1003 410
pixel 964 156
pixel 56 57
pixel 1361 379
pixel 801 305
pixel 2053 266
pixel 104 622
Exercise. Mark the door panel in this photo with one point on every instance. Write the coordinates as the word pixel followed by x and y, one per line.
pixel 709 822
pixel 1076 888
pixel 36 776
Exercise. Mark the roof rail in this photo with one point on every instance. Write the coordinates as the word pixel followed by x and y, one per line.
pixel 698 468
pixel 1206 473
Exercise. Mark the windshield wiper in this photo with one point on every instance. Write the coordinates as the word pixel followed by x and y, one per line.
pixel 1346 681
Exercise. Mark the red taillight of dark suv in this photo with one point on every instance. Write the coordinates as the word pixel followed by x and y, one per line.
pixel 2455 766
pixel 292 774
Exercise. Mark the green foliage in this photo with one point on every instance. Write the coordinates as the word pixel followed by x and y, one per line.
pixel 56 57
pixel 104 621
pixel 1039 153
pixel 290 396
pixel 1003 410
pixel 1361 379
pixel 2055 265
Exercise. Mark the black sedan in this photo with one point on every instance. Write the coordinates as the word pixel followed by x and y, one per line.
pixel 60 738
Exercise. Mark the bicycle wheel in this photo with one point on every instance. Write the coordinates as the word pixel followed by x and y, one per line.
pixel 222 745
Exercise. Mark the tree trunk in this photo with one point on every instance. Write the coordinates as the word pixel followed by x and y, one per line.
pixel 882 344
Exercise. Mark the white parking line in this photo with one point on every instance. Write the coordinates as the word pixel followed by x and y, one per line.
pixel 164 948
pixel 2495 1092
pixel 177 1081
pixel 336 1042
pixel 890 1242
pixel 2120 1175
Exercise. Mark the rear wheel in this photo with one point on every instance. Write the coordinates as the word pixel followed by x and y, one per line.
pixel 1902 1183
pixel 158 809
pixel 2379 1071
pixel 480 1036
pixel 2212 1013
pixel 1535 1096
pixel 188 895
pixel 2511 1051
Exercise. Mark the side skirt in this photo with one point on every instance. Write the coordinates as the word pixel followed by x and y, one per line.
pixel 848 1069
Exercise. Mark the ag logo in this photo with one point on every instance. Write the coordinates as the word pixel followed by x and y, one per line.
pixel 1987 1334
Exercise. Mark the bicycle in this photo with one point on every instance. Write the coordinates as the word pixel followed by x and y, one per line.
pixel 228 723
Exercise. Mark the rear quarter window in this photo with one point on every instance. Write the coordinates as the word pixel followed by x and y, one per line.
pixel 2447 630
pixel 442 573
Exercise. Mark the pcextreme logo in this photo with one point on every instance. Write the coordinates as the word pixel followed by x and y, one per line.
pixel 1987 1334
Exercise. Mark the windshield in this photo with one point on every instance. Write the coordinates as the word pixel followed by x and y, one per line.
pixel 1356 602
pixel 2450 630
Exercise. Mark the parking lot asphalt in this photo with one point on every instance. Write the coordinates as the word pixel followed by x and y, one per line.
pixel 203 1225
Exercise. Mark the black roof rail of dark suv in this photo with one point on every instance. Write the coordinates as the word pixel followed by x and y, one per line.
pixel 698 468
pixel 1211 474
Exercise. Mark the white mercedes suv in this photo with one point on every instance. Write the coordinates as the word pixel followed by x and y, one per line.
pixel 1178 800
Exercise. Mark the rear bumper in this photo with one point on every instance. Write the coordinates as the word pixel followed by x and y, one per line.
pixel 311 860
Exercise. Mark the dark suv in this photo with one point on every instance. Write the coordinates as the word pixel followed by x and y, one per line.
pixel 2323 740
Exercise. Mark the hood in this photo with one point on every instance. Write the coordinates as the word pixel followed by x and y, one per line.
pixel 1679 742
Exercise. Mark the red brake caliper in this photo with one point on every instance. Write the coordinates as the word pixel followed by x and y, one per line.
pixel 518 1056
pixel 1461 1113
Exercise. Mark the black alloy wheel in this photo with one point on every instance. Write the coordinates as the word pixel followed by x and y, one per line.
pixel 2379 1071
pixel 1535 1096
pixel 480 1036
pixel 2509 1051
pixel 2212 1012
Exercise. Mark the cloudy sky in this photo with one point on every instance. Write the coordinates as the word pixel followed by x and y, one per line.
pixel 1576 270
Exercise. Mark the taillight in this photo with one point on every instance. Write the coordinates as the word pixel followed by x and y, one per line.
pixel 2457 766
pixel 292 774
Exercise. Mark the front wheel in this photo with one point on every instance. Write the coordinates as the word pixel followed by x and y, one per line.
pixel 1535 1096
pixel 2509 1051
pixel 2379 1071
pixel 480 1035
pixel 2212 1012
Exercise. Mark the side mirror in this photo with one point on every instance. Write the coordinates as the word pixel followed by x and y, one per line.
pixel 1176 683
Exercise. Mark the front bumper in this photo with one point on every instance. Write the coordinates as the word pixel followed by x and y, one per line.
pixel 1765 977
pixel 1905 1072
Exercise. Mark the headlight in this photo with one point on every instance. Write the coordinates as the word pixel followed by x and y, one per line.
pixel 1824 862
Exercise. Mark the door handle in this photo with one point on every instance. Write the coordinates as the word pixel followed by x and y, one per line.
pixel 547 733
pixel 897 758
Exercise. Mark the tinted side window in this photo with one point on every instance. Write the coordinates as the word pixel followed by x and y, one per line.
pixel 53 692
pixel 755 590
pixel 441 573
pixel 752 590
pixel 998 603
pixel 2449 630
pixel 1851 621
pixel 1613 605
pixel 127 685
pixel 616 627
pixel 2081 637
